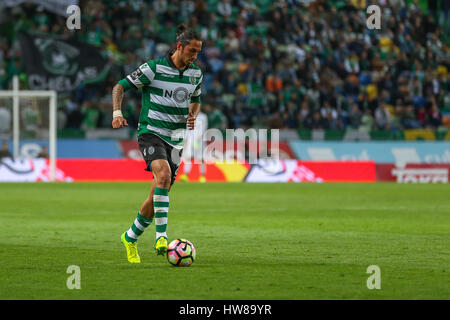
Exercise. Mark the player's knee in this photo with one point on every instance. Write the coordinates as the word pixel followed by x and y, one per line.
pixel 162 173
pixel 164 179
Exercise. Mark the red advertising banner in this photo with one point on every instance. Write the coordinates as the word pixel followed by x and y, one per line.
pixel 414 173
pixel 104 169
pixel 312 171
pixel 133 170
pixel 130 149
pixel 29 170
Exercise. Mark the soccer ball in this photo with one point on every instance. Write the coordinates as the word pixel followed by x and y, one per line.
pixel 181 253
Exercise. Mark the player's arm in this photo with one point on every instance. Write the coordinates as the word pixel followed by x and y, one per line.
pixel 136 80
pixel 194 109
pixel 117 96
pixel 194 106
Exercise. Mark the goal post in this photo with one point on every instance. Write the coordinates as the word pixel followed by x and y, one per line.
pixel 17 95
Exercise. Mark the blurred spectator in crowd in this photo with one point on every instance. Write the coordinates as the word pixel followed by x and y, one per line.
pixel 367 121
pixel 382 117
pixel 91 115
pixel 355 117
pixel 435 118
pixel 409 119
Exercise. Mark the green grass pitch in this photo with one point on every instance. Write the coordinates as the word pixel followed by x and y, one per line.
pixel 253 241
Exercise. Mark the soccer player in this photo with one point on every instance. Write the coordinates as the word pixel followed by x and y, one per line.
pixel 194 146
pixel 171 88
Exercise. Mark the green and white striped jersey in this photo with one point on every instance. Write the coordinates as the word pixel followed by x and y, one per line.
pixel 166 95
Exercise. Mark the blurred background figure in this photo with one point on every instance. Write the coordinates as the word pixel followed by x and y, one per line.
pixel 5 119
pixel 43 153
pixel 194 148
pixel 4 152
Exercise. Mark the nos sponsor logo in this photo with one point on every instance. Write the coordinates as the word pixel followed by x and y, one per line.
pixel 180 94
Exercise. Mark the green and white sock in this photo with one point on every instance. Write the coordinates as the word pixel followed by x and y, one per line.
pixel 161 208
pixel 137 228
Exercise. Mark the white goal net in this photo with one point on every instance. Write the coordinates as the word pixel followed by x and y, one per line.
pixel 28 123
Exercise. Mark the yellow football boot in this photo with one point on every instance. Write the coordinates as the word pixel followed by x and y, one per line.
pixel 132 252
pixel 161 246
pixel 184 178
pixel 202 179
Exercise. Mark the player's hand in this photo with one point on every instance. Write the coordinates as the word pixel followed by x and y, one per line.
pixel 119 122
pixel 190 122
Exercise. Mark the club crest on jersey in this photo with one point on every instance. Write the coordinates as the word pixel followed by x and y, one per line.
pixel 151 150
pixel 193 80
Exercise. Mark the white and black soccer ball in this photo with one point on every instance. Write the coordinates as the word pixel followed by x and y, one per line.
pixel 181 253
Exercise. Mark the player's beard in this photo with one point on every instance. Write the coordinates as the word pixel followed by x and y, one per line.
pixel 185 61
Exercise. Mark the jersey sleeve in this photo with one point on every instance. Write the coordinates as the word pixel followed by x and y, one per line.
pixel 197 92
pixel 140 78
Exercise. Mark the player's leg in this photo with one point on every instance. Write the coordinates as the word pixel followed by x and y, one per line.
pixel 152 148
pixel 160 201
pixel 166 173
pixel 142 221
pixel 130 237
pixel 147 209
pixel 147 206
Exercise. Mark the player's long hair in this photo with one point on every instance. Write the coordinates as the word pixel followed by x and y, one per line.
pixel 185 34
